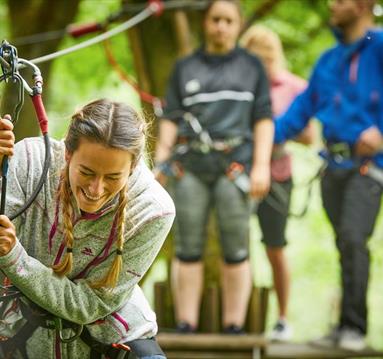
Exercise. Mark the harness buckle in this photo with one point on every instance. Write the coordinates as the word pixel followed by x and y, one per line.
pixel 59 330
pixel 236 173
pixel 373 171
pixel 121 346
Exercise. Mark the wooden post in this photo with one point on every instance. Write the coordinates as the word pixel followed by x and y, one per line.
pixel 159 303
pixel 163 305
pixel 264 307
pixel 254 313
pixel 210 310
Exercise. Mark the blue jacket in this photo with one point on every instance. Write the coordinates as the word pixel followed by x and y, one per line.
pixel 345 93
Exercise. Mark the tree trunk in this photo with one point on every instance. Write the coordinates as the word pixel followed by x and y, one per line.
pixel 32 17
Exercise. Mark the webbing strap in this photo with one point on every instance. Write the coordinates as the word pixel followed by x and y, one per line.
pixel 18 342
pixel 139 347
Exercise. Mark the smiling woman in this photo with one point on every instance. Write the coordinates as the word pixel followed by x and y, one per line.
pixel 94 179
pixel 92 233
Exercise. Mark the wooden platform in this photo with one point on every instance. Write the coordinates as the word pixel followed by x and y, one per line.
pixel 307 351
pixel 211 346
pixel 249 346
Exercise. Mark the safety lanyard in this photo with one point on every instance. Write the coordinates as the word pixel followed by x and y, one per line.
pixel 10 65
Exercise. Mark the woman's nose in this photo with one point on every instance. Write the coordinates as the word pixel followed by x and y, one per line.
pixel 96 186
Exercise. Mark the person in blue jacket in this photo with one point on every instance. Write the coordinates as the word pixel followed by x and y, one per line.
pixel 345 94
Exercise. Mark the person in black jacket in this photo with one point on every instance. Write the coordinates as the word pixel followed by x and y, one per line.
pixel 218 111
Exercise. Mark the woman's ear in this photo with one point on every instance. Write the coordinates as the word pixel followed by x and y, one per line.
pixel 68 156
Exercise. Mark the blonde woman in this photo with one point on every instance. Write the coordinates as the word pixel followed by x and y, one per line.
pixel 90 236
pixel 285 86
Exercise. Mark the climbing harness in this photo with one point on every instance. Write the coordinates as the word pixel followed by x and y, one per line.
pixel 280 195
pixel 10 65
pixel 234 171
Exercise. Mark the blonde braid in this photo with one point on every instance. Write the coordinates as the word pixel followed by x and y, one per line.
pixel 110 280
pixel 66 264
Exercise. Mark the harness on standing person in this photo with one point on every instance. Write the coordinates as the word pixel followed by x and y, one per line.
pixel 203 143
pixel 235 171
pixel 340 157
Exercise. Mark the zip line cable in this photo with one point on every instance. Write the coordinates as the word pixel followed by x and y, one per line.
pixel 154 7
pixel 117 16
pixel 144 14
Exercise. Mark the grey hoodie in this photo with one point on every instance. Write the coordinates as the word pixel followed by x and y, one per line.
pixel 111 316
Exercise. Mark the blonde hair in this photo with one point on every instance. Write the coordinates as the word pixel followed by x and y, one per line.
pixel 260 35
pixel 110 280
pixel 115 125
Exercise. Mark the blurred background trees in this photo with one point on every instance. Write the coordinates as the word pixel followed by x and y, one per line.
pixel 147 53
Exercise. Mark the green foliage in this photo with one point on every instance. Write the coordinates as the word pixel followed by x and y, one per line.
pixel 302 28
pixel 85 75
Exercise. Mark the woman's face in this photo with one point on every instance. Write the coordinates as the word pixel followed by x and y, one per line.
pixel 97 173
pixel 222 27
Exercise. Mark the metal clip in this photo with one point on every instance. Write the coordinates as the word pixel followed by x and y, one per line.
pixel 8 55
pixel 59 330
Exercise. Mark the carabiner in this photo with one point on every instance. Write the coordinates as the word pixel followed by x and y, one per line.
pixel 8 54
pixel 59 330
pixel 9 66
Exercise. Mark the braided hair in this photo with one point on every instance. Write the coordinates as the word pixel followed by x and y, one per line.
pixel 113 125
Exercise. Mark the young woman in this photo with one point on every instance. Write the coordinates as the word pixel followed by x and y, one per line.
pixel 285 86
pixel 89 237
pixel 226 89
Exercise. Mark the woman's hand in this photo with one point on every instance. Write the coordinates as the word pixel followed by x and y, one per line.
pixel 260 181
pixel 7 235
pixel 7 138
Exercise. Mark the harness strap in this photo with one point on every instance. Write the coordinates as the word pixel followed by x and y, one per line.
pixel 10 346
pixel 98 349
pixel 224 145
pixel 145 347
pixel 139 347
pixel 35 317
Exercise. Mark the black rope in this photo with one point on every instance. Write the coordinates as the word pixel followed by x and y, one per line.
pixel 4 180
pixel 10 70
pixel 281 194
pixel 47 162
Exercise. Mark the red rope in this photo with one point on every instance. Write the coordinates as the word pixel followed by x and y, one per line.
pixel 144 96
